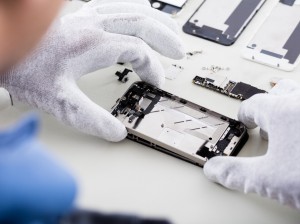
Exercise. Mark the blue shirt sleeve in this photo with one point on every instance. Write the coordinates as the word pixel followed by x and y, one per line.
pixel 33 185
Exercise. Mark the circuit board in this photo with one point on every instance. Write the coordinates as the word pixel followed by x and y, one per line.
pixel 221 84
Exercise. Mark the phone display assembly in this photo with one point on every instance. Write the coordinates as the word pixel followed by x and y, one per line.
pixel 172 7
pixel 176 126
pixel 222 21
pixel 276 43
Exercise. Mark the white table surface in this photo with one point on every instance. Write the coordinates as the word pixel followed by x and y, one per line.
pixel 128 177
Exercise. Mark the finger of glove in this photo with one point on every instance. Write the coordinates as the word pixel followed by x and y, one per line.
pixel 95 3
pixel 131 8
pixel 257 111
pixel 152 32
pixel 232 172
pixel 128 49
pixel 74 108
pixel 115 48
pixel 284 87
pixel 264 134
pixel 250 175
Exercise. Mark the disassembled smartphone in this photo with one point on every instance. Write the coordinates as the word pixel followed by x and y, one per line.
pixel 175 126
pixel 221 84
pixel 276 43
pixel 222 21
pixel 172 7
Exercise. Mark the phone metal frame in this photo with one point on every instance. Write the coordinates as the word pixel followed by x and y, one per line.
pixel 171 150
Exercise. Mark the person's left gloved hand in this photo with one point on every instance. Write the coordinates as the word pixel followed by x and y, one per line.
pixel 276 174
pixel 33 185
pixel 101 34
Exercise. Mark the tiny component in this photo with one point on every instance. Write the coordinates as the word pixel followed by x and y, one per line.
pixel 178 66
pixel 173 71
pixel 193 54
pixel 123 76
pixel 215 68
pixel 237 90
pixel 274 81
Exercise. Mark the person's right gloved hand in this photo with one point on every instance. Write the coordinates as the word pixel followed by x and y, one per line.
pixel 101 34
pixel 275 175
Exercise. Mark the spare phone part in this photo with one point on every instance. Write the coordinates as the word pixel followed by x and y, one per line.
pixel 221 84
pixel 173 125
pixel 276 43
pixel 222 21
pixel 172 7
pixel 123 76
pixel 173 71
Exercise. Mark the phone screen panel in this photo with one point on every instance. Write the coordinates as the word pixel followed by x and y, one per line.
pixel 172 7
pixel 276 43
pixel 222 21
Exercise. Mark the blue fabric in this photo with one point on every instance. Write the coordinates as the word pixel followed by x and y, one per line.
pixel 34 187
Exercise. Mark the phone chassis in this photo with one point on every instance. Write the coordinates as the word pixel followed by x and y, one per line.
pixel 170 124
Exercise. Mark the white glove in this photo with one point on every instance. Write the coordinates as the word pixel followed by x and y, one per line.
pixel 101 34
pixel 275 175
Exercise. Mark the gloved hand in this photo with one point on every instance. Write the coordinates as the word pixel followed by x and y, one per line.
pixel 275 175
pixel 33 185
pixel 101 34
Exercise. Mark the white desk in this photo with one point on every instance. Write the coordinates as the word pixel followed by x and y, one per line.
pixel 128 177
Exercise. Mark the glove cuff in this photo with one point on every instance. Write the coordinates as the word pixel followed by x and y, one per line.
pixel 3 79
